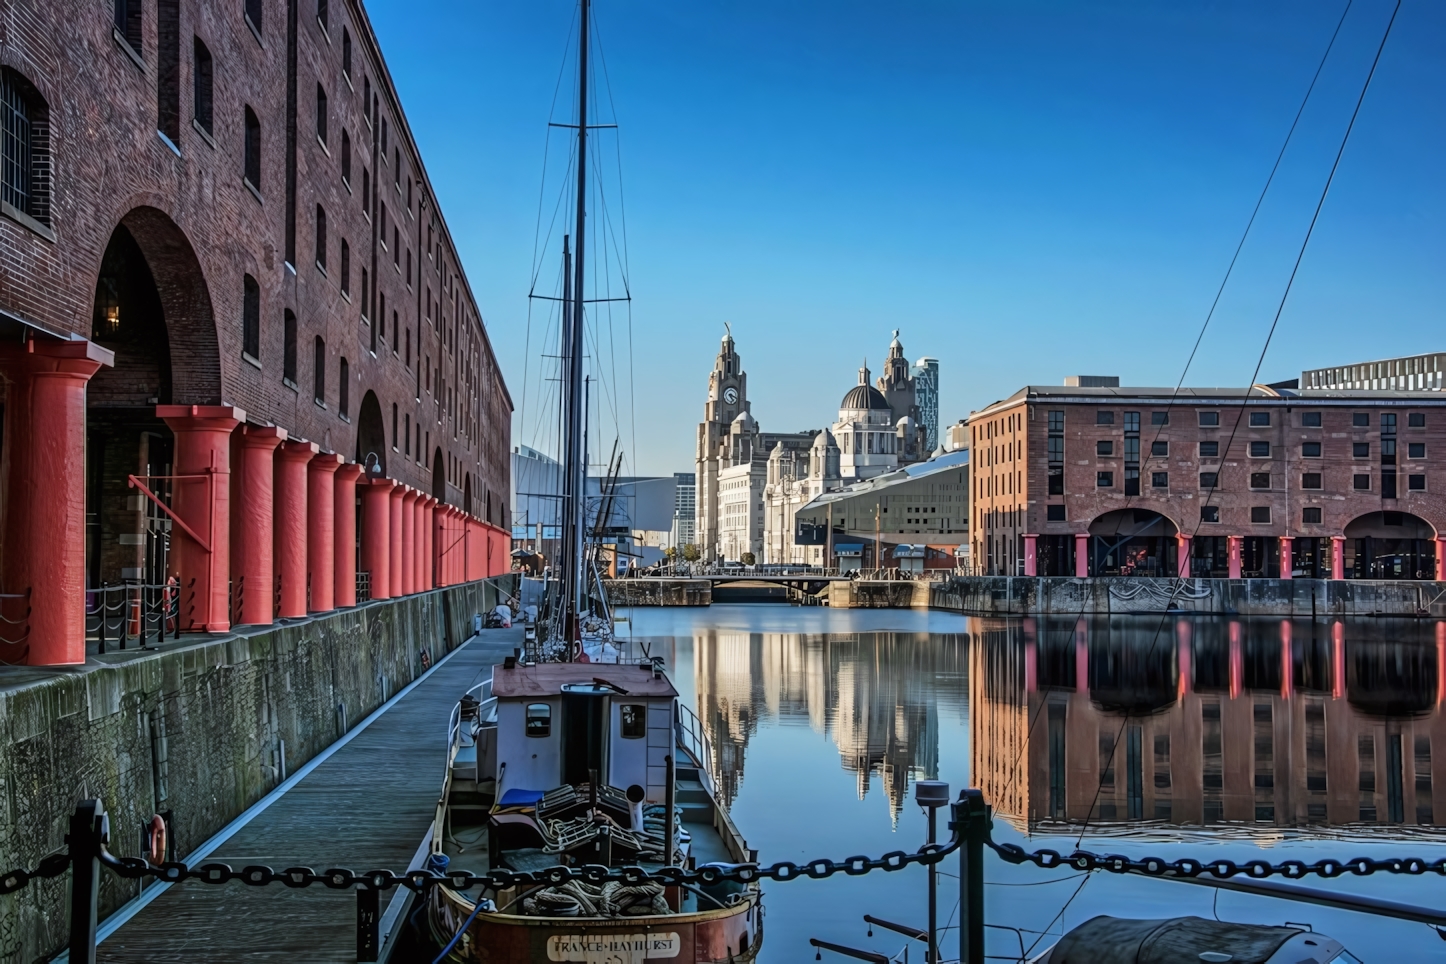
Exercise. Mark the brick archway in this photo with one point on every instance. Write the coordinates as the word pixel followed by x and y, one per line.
pixel 185 305
pixel 371 436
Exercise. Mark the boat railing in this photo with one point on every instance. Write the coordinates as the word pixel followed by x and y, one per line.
pixel 694 741
pixel 486 702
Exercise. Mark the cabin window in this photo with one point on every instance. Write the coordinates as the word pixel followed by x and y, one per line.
pixel 634 720
pixel 539 719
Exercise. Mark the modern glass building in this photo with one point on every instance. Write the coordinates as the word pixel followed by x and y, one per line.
pixel 926 395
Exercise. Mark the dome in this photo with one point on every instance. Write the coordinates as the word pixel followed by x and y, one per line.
pixel 864 398
pixel 744 420
pixel 907 422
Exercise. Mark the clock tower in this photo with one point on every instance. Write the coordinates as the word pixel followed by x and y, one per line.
pixel 727 399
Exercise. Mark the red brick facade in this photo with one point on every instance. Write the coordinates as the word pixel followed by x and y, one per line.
pixel 1304 473
pixel 151 228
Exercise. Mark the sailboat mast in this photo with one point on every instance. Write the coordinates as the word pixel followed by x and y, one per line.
pixel 569 518
pixel 574 591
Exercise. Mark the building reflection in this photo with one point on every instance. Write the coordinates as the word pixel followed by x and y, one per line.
pixel 876 695
pixel 1259 723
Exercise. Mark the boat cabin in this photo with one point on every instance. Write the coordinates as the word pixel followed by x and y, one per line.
pixel 561 723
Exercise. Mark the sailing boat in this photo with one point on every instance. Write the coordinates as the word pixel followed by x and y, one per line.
pixel 569 755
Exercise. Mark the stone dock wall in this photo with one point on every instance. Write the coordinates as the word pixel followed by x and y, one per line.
pixel 197 728
pixel 1062 595
pixel 659 592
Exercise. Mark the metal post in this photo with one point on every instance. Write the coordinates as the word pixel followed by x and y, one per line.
pixel 89 831
pixel 670 797
pixel 368 919
pixel 933 896
pixel 104 596
pixel 972 818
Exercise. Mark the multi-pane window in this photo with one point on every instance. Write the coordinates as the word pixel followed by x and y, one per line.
pixel 346 157
pixel 1361 419
pixel 253 13
pixel 1416 450
pixel 1310 419
pixel 1159 418
pixel 1260 513
pixel 1310 450
pixel 252 169
pixel 1160 450
pixel 168 70
pixel 1259 419
pixel 322 14
pixel 1416 420
pixel 1416 483
pixel 24 147
pixel 1210 513
pixel 1260 450
pixel 345 51
pixel 1160 480
pixel 128 22
pixel 318 371
pixel 1310 515
pixel 1361 481
pixel 1310 480
pixel 1260 480
pixel 202 84
pixel 288 344
pixel 1104 447
pixel 1104 418
pixel 1209 419
pixel 343 389
pixel 1105 480
pixel 1209 450
pixel 321 238
pixel 321 113
pixel 1209 480
pixel 1361 450
pixel 250 317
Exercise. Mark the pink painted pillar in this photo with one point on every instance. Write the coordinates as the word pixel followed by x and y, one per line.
pixel 394 544
pixel 1440 663
pixel 1082 555
pixel 253 567
pixel 344 527
pixel 1082 656
pixel 419 542
pixel 44 508
pixel 1441 561
pixel 1287 661
pixel 1338 659
pixel 291 525
pixel 409 541
pixel 1287 557
pixel 439 544
pixel 1031 655
pixel 1338 557
pixel 1237 662
pixel 429 537
pixel 377 535
pixel 321 530
pixel 1182 555
pixel 203 502
pixel 1233 544
pixel 1183 632
pixel 1031 558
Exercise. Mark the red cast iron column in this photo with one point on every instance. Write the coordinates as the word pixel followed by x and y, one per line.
pixel 409 541
pixel 290 528
pixel 321 530
pixel 202 500
pixel 377 534
pixel 44 521
pixel 254 578
pixel 344 530
pixel 394 569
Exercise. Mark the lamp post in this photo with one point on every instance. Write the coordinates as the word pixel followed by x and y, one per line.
pixel 931 795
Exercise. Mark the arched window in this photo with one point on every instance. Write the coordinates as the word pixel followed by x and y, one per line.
pixel 318 366
pixel 202 81
pixel 345 51
pixel 345 156
pixel 321 113
pixel 288 354
pixel 321 238
pixel 25 139
pixel 343 390
pixel 251 317
pixel 407 434
pixel 252 171
pixel 345 267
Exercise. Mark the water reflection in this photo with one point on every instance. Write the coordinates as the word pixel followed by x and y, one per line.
pixel 876 695
pixel 1259 724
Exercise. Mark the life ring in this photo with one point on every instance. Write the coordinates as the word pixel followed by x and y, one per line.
pixel 156 840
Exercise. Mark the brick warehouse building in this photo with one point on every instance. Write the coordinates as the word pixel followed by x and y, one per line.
pixel 1209 482
pixel 226 274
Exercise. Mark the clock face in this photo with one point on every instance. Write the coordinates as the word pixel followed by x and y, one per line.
pixel 730 395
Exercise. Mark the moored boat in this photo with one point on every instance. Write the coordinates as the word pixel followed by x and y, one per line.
pixel 574 763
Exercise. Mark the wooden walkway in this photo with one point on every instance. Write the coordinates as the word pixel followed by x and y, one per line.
pixel 368 806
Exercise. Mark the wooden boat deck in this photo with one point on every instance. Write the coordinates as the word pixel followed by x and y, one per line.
pixel 368 806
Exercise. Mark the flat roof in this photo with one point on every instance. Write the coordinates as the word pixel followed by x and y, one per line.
pixel 1206 396
pixel 548 679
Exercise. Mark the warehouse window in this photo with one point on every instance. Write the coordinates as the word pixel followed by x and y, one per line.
pixel 1310 419
pixel 1310 515
pixel 321 14
pixel 1416 483
pixel 346 158
pixel 1260 450
pixel 1260 480
pixel 1209 480
pixel 321 114
pixel 252 170
pixel 343 389
pixel 1416 420
pixel 202 82
pixel 253 14
pixel 1210 513
pixel 1260 513
pixel 318 364
pixel 1361 482
pixel 1310 450
pixel 396 445
pixel 1310 480
pixel 345 52
pixel 1209 450
pixel 128 23
pixel 168 70
pixel 1259 419
pixel 24 148
pixel 321 238
pixel 345 267
pixel 250 317
pixel 288 354
pixel 1209 419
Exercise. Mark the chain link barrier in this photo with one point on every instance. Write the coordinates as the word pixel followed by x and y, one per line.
pixel 1327 868
pixel 51 866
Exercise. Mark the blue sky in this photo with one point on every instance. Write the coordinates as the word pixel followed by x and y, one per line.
pixel 1026 189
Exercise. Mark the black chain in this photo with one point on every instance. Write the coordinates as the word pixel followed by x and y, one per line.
pixel 1083 860
pixel 337 878
pixel 51 866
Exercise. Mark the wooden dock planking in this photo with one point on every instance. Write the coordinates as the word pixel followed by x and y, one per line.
pixel 366 807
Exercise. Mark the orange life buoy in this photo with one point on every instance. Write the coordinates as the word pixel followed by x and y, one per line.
pixel 156 840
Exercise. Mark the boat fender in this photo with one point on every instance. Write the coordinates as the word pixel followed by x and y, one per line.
pixel 156 840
